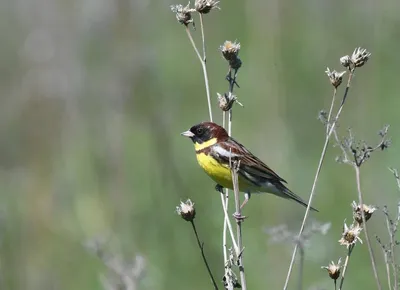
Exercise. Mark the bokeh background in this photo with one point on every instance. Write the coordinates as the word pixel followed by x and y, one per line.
pixel 94 94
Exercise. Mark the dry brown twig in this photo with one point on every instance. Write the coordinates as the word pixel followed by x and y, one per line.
pixel 358 58
pixel 230 51
pixel 389 249
pixel 356 153
pixel 188 212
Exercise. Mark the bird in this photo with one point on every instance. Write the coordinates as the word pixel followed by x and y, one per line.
pixel 215 152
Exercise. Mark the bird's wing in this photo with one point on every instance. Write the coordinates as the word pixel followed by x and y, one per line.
pixel 249 163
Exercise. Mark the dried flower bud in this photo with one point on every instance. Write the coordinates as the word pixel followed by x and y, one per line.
pixel 183 14
pixel 186 210
pixel 205 6
pixel 334 269
pixel 345 61
pixel 350 235
pixel 357 215
pixel 360 56
pixel 230 51
pixel 225 101
pixel 335 77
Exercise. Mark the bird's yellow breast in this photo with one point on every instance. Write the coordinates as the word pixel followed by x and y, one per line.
pixel 220 173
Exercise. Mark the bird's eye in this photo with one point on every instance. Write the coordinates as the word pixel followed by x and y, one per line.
pixel 199 131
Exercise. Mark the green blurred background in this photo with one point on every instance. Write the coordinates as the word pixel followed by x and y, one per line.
pixel 94 94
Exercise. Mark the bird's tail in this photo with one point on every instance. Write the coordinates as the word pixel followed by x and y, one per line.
pixel 287 193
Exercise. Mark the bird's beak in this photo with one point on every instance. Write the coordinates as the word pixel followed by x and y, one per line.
pixel 187 134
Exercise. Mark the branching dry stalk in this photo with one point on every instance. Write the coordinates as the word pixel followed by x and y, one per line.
pixel 230 52
pixel 386 254
pixel 201 247
pixel 359 57
pixel 360 152
pixel 389 250
pixel 371 252
pixel 331 123
pixel 346 263
pixel 234 170
pixel 203 65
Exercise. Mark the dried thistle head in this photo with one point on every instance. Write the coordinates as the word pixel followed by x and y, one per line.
pixel 334 269
pixel 225 101
pixel 230 51
pixel 360 56
pixel 335 77
pixel 367 209
pixel 345 61
pixel 186 210
pixel 183 13
pixel 205 6
pixel 350 235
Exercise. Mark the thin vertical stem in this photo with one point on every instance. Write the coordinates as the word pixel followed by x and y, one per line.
pixel 225 208
pixel 393 255
pixel 331 109
pixel 224 231
pixel 371 253
pixel 202 37
pixel 388 271
pixel 234 169
pixel 301 271
pixel 321 160
pixel 203 65
pixel 346 263
pixel 392 230
pixel 201 246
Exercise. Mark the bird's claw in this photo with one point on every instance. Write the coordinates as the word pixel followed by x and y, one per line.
pixel 219 188
pixel 239 217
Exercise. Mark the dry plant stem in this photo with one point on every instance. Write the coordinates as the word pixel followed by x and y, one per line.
pixel 331 109
pixel 202 37
pixel 238 226
pixel 393 256
pixel 224 203
pixel 203 65
pixel 224 199
pixel 321 160
pixel 346 263
pixel 371 253
pixel 225 208
pixel 387 270
pixel 201 246
pixel 301 271
pixel 392 235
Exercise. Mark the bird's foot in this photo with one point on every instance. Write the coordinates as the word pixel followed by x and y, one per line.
pixel 239 217
pixel 219 188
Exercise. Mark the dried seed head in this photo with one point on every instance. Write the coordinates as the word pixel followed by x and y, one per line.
pixel 335 77
pixel 345 61
pixel 225 101
pixel 186 210
pixel 183 13
pixel 350 235
pixel 205 6
pixel 334 269
pixel 367 209
pixel 360 56
pixel 230 51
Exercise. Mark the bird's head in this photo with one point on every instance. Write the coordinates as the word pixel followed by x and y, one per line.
pixel 205 134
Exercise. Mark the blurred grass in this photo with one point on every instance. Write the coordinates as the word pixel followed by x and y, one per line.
pixel 95 93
